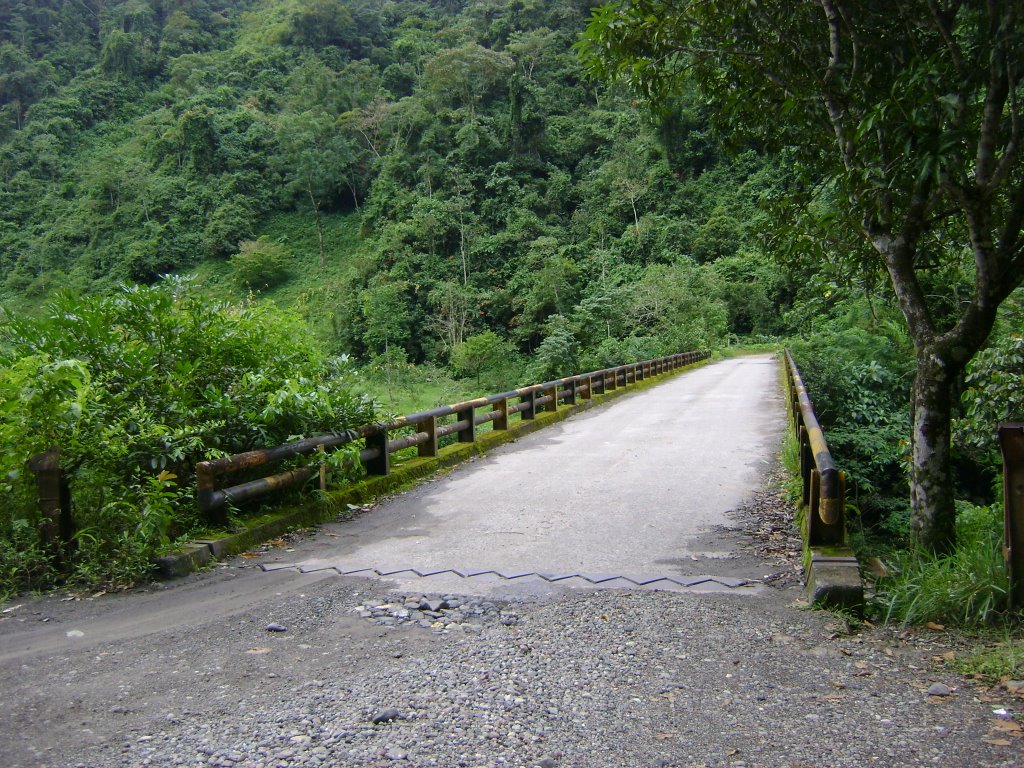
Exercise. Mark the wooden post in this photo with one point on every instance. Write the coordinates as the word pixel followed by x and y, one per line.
pixel 502 421
pixel 467 435
pixel 429 447
pixel 530 412
pixel 552 405
pixel 322 453
pixel 1011 442
pixel 570 399
pixel 381 465
pixel 54 501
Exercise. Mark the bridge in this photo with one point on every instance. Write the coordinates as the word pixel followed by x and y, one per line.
pixel 635 494
pixel 582 597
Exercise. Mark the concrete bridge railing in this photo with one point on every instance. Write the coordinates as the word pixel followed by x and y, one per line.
pixel 831 569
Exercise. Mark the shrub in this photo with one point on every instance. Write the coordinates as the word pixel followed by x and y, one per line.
pixel 993 395
pixel 136 388
pixel 557 355
pixel 260 264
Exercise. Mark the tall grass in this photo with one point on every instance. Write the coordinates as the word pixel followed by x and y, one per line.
pixel 968 587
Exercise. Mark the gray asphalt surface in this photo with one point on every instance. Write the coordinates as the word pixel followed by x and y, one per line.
pixel 188 673
pixel 640 487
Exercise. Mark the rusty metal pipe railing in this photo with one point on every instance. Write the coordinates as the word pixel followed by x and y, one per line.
pixel 374 457
pixel 824 486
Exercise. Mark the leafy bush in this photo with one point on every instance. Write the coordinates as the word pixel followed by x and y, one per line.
pixel 136 388
pixel 859 382
pixel 993 395
pixel 968 587
pixel 260 264
pixel 557 355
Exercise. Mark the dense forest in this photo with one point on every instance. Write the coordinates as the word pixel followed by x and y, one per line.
pixel 438 184
pixel 487 184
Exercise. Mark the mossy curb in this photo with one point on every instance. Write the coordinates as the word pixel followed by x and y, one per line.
pixel 834 580
pixel 403 475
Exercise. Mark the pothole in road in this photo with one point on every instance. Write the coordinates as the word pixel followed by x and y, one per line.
pixel 438 614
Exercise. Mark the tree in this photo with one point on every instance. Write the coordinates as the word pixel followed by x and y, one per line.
pixel 908 116
pixel 22 80
pixel 456 303
pixel 316 160
pixel 463 77
pixel 482 352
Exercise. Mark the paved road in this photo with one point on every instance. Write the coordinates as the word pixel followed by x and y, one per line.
pixel 640 487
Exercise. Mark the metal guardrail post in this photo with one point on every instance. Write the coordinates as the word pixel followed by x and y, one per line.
pixel 1011 442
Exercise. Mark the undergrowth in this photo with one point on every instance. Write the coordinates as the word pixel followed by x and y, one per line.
pixel 967 588
pixel 1000 658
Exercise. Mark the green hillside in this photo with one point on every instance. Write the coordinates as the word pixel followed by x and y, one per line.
pixel 418 172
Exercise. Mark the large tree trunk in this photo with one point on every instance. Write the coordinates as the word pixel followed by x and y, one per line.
pixel 932 510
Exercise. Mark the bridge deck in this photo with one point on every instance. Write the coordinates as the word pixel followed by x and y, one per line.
pixel 641 488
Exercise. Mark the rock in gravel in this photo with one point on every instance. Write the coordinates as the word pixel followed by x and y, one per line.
pixel 546 762
pixel 385 716
pixel 272 627
pixel 938 689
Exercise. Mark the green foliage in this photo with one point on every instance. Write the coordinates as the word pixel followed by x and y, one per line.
pixel 1001 659
pixel 260 264
pixel 462 141
pixel 993 396
pixel 968 587
pixel 414 184
pixel 902 128
pixel 558 354
pixel 135 388
pixel 479 353
pixel 859 376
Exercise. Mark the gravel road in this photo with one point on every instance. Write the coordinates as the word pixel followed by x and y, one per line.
pixel 190 675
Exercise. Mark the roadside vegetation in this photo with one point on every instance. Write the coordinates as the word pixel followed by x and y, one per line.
pixel 135 387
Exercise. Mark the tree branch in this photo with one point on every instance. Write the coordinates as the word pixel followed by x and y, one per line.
pixel 837 114
pixel 995 99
